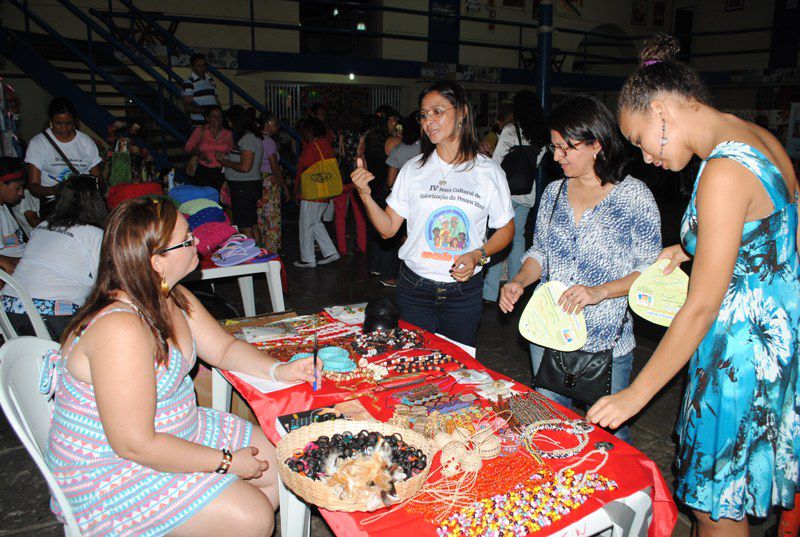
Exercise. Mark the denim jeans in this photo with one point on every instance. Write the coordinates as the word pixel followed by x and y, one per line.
pixel 451 309
pixel 621 367
pixel 491 282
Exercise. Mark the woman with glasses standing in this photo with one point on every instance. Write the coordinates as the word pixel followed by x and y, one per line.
pixel 448 194
pixel 595 232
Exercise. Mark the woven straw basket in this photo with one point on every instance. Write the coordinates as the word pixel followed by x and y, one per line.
pixel 320 494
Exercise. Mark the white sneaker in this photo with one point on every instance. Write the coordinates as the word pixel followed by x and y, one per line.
pixel 329 259
pixel 303 264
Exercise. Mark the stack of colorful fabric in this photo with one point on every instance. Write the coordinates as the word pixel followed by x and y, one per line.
pixel 207 220
pixel 125 191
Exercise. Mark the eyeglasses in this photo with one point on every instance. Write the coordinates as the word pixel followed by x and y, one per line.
pixel 185 244
pixel 435 114
pixel 553 148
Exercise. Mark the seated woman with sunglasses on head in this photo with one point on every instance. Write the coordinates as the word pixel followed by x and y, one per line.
pixel 122 385
pixel 59 264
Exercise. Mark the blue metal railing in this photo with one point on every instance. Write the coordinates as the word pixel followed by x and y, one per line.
pixel 96 68
pixel 233 88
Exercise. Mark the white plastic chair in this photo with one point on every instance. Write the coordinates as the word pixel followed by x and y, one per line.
pixel 28 411
pixel 39 327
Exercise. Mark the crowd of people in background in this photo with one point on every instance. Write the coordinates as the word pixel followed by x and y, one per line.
pixel 595 229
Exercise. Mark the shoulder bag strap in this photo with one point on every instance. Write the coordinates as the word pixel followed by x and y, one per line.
pixel 71 166
pixel 549 222
pixel 519 136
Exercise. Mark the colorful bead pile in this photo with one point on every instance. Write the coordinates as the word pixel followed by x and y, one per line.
pixel 497 476
pixel 334 359
pixel 526 509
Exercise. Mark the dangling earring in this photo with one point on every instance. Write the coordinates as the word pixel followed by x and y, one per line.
pixel 594 156
pixel 164 287
pixel 663 141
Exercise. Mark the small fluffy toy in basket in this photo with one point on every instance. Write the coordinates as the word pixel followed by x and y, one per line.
pixel 330 470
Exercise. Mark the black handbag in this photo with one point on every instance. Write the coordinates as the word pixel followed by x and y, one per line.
pixel 520 166
pixel 580 375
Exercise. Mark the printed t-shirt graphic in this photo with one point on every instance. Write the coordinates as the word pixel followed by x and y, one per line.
pixel 81 151
pixel 446 231
pixel 447 209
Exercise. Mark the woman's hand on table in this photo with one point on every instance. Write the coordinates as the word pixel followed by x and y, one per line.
pixel 245 465
pixel 301 370
pixel 577 297
pixel 676 255
pixel 464 266
pixel 614 410
pixel 361 177
pixel 509 295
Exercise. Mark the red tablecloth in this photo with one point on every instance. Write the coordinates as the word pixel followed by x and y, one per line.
pixel 631 469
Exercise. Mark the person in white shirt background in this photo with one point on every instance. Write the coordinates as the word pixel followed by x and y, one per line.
pixel 46 167
pixel 529 122
pixel 199 91
pixel 59 265
pixel 448 194
pixel 12 187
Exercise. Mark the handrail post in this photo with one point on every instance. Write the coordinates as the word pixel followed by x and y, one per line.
pixel 585 53
pixel 92 80
pixel 252 26
pixel 544 52
pixel 27 19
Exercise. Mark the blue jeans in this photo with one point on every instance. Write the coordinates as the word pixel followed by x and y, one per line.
pixel 451 309
pixel 621 368
pixel 491 281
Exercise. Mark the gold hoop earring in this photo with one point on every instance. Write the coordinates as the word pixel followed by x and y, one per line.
pixel 164 287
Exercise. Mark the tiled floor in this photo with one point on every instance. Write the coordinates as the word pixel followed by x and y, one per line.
pixel 23 495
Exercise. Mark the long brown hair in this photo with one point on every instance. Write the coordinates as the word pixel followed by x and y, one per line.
pixel 135 231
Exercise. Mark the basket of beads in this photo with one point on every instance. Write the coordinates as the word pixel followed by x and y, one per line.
pixel 344 465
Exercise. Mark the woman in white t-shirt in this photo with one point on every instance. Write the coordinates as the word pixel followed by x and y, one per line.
pixel 448 194
pixel 46 167
pixel 59 265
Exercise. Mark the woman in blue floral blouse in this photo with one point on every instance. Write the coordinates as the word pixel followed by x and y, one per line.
pixel 595 232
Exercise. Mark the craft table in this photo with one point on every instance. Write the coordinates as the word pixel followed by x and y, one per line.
pixel 641 505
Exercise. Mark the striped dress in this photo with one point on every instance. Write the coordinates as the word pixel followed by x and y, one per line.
pixel 114 496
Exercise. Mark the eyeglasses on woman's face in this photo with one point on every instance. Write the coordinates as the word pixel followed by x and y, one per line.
pixel 434 113
pixel 557 149
pixel 185 244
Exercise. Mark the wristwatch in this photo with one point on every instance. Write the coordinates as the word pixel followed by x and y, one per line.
pixel 484 258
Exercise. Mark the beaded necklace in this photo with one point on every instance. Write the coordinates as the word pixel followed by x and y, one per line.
pixel 381 341
pixel 570 427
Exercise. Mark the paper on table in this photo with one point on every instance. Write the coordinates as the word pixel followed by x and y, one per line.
pixel 545 323
pixel 658 297
pixel 263 385
pixel 260 334
pixel 350 314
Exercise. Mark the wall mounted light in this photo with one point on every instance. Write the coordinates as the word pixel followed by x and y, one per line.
pixel 351 76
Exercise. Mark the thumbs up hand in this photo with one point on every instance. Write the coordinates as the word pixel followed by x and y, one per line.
pixel 361 178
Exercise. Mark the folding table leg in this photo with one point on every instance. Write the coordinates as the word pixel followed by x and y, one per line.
pixel 295 514
pixel 275 285
pixel 248 299
pixel 220 392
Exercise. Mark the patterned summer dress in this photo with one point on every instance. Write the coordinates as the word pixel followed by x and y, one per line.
pixel 740 424
pixel 114 496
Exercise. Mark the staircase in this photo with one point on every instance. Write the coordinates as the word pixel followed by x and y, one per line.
pixel 96 74
pixel 102 87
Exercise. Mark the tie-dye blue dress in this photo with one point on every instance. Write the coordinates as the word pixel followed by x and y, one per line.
pixel 739 428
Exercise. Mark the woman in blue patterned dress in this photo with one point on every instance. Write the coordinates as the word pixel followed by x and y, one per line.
pixel 740 420
pixel 595 232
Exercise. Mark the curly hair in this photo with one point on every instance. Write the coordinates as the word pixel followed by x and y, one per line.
pixel 659 71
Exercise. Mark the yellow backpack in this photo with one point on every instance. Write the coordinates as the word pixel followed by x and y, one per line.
pixel 322 180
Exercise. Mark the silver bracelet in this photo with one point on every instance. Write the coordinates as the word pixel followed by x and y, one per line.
pixel 272 369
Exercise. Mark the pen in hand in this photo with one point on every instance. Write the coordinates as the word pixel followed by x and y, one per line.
pixel 315 362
